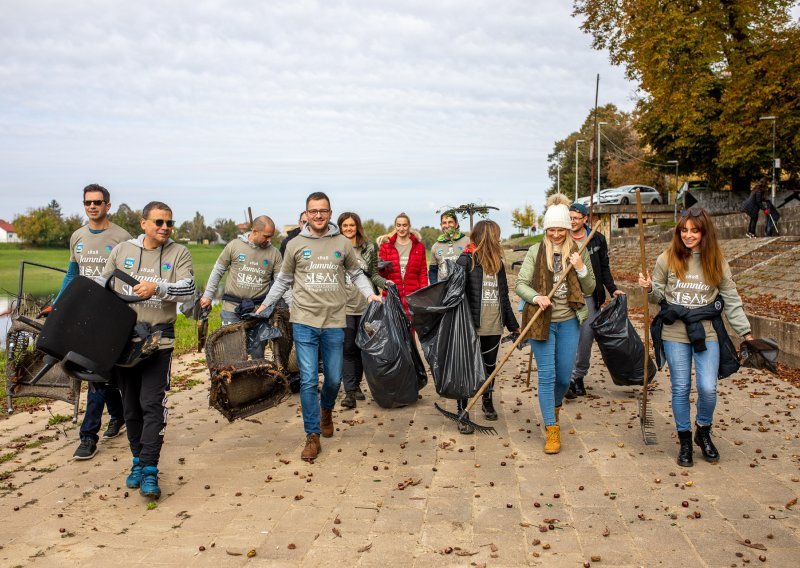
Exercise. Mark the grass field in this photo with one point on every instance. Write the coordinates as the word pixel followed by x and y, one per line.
pixel 44 282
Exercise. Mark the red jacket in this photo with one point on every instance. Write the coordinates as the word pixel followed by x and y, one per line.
pixel 416 270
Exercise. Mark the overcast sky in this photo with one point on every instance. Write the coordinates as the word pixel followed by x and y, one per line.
pixel 387 106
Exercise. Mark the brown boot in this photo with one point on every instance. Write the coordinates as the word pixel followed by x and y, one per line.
pixel 312 449
pixel 553 443
pixel 326 422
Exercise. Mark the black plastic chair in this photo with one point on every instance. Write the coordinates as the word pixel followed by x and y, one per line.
pixel 88 328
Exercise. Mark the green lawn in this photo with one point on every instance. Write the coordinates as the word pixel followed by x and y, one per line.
pixel 44 282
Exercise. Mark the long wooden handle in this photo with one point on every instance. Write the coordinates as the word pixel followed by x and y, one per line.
pixel 522 334
pixel 250 217
pixel 643 254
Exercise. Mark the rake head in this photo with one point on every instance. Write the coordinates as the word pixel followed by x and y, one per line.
pixel 462 418
pixel 647 422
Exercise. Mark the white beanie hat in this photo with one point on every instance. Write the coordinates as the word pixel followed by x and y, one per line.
pixel 557 214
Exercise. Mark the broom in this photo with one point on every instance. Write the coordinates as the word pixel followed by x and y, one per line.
pixel 645 412
pixel 462 417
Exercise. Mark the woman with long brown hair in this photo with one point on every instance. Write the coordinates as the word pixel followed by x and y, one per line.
pixel 692 282
pixel 487 294
pixel 352 368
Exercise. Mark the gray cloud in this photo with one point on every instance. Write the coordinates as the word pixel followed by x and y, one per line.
pixel 214 106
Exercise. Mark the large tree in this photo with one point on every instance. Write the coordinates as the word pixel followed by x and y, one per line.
pixel 707 71
pixel 127 218
pixel 623 159
pixel 42 227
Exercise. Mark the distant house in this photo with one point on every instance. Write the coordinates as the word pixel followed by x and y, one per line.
pixel 7 233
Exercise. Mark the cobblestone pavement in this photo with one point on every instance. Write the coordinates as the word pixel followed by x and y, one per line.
pixel 402 488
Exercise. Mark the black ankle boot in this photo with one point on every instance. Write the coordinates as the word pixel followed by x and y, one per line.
pixel 702 437
pixel 464 428
pixel 580 390
pixel 570 394
pixel 685 453
pixel 488 407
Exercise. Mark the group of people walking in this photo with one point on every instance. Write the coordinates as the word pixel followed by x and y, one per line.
pixel 329 272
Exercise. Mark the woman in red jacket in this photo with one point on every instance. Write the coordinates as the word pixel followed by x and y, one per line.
pixel 409 267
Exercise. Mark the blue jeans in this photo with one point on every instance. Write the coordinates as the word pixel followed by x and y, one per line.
pixel 555 358
pixel 310 343
pixel 98 396
pixel 679 359
pixel 255 348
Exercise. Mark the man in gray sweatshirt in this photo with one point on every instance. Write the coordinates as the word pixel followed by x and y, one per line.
pixel 166 276
pixel 252 263
pixel 314 266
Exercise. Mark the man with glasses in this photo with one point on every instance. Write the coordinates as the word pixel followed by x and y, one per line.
pixel 598 253
pixel 253 263
pixel 89 248
pixel 165 274
pixel 314 267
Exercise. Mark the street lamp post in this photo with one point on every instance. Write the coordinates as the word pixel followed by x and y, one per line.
pixel 675 197
pixel 774 160
pixel 599 124
pixel 558 175
pixel 576 167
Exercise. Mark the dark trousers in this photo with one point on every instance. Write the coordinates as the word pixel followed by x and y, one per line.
pixel 751 228
pixel 144 398
pixel 98 396
pixel 352 367
pixel 490 347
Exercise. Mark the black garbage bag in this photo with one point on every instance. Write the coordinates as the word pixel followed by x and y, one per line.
pixel 393 367
pixel 442 319
pixel 621 347
pixel 760 354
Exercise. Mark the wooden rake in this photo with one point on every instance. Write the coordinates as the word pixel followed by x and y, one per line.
pixel 462 417
pixel 646 421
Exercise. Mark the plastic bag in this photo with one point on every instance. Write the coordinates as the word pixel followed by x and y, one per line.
pixel 392 365
pixel 760 354
pixel 621 347
pixel 442 319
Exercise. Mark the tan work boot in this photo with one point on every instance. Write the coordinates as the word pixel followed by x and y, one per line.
pixel 553 443
pixel 312 449
pixel 326 422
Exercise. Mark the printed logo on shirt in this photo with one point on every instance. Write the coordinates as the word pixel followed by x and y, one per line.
pixel 306 254
pixel 166 266
pixel 460 249
pixel 440 252
pixel 265 262
pixel 79 248
pixel 337 254
pixel 109 248
pixel 241 257
pixel 128 263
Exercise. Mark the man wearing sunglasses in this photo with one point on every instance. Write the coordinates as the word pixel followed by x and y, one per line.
pixel 165 274
pixel 252 263
pixel 314 267
pixel 89 248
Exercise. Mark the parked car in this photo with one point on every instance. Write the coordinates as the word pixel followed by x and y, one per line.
pixel 625 194
pixel 585 200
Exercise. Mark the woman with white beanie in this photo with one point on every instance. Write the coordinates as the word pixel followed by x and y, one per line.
pixel 554 335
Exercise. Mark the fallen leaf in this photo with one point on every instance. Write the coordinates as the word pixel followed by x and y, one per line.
pixel 791 503
pixel 365 547
pixel 755 545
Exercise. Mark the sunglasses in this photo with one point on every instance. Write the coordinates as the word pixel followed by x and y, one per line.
pixel 161 222
pixel 691 213
pixel 95 202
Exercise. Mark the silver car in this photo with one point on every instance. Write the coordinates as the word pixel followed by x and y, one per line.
pixel 585 200
pixel 625 194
